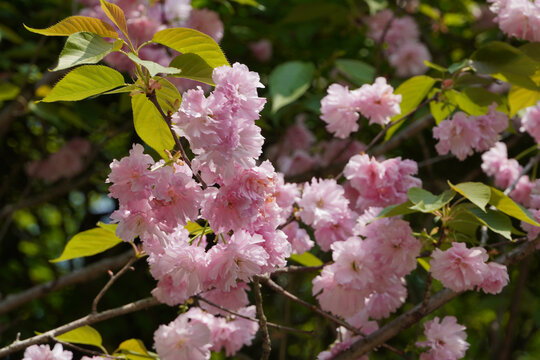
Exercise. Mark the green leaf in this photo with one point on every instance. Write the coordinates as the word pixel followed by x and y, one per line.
pixel 83 82
pixel 435 66
pixel 424 201
pixel 520 98
pixel 478 193
pixel 495 221
pixel 424 263
pixel 150 126
pixel 506 63
pixel 168 96
pixel 357 71
pixel 253 3
pixel 134 349
pixel 289 81
pixel 306 259
pixel 458 66
pixel 115 13
pixel 153 67
pixel 75 24
pixel 85 335
pixel 108 227
pixel 395 210
pixel 475 100
pixel 189 41
pixel 84 48
pixel 193 67
pixel 89 242
pixel 509 207
pixel 196 229
pixel 127 88
pixel 412 91
pixel 8 91
pixel 444 105
pixel 462 223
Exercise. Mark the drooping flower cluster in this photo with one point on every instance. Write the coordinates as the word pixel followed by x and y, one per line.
pixel 65 163
pixel 368 273
pixel 518 18
pixel 445 339
pixel 144 18
pixel 405 52
pixel 463 133
pixel 221 127
pixel 194 334
pixel 341 107
pixel 374 183
pixel 459 268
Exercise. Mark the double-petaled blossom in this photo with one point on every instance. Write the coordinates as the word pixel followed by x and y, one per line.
pixel 44 352
pixel 518 18
pixel 530 122
pixel 377 183
pixel 445 339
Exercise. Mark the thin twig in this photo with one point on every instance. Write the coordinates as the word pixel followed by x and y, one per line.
pixel 395 350
pixel 167 117
pixel 266 344
pixel 270 324
pixel 296 269
pixel 272 285
pixel 19 345
pixel 111 281
pixel 83 275
pixel 525 170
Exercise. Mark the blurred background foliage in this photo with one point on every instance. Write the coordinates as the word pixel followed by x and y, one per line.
pixel 37 218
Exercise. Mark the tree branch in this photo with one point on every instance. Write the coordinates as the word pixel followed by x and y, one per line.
pixel 266 344
pixel 83 275
pixel 19 345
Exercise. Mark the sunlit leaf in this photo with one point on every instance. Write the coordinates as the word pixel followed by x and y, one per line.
pixel 75 24
pixel 424 201
pixel 84 48
pixel 193 67
pixel 395 210
pixel 85 81
pixel 478 193
pixel 115 13
pixel 153 67
pixel 508 206
pixel 87 243
pixel 189 41
pixel 134 349
pixel 85 335
pixel 306 259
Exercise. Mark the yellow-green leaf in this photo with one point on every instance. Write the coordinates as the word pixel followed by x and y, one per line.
pixel 115 13
pixel 412 91
pixel 153 67
pixel 189 41
pixel 306 259
pixel 8 91
pixel 150 125
pixel 193 67
pixel 133 349
pixel 89 242
pixel 84 48
pixel 108 227
pixel 509 207
pixel 75 24
pixel 478 193
pixel 424 263
pixel 85 81
pixel 85 335
pixel 520 98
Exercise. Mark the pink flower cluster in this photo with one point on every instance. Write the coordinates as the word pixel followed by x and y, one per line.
pixel 530 122
pixel 145 18
pixel 221 127
pixel 341 107
pixel 193 334
pixel 506 171
pixel 518 18
pixel 44 352
pixel 459 268
pixel 368 273
pixel 463 133
pixel 445 339
pixel 405 52
pixel 374 183
pixel 65 163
